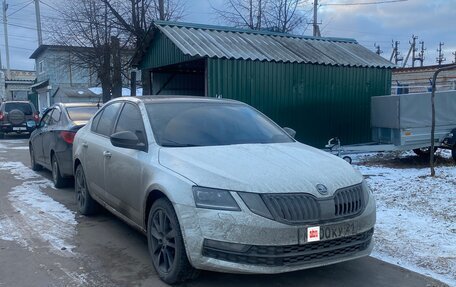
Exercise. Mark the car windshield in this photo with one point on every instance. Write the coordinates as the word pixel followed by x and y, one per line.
pixel 181 124
pixel 81 113
pixel 23 107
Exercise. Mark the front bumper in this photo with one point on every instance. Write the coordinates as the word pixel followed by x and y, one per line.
pixel 266 246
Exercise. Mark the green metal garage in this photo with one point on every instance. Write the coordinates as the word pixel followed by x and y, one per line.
pixel 321 87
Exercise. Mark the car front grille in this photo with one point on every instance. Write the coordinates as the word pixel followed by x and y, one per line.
pixel 348 201
pixel 294 255
pixel 304 208
pixel 292 207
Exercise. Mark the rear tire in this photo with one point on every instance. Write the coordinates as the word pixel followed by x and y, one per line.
pixel 424 152
pixel 453 152
pixel 166 246
pixel 57 178
pixel 86 204
pixel 35 166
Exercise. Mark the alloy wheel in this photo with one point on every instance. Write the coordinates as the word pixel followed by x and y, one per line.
pixel 163 239
pixel 81 188
pixel 55 170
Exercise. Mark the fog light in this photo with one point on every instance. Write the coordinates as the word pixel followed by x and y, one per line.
pixel 227 246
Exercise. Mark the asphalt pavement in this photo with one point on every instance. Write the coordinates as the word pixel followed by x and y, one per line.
pixel 42 249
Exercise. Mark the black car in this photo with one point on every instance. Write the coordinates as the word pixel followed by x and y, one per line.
pixel 17 117
pixel 51 143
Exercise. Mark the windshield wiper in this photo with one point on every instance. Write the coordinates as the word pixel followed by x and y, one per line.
pixel 171 143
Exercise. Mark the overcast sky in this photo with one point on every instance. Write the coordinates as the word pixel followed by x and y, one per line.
pixel 433 21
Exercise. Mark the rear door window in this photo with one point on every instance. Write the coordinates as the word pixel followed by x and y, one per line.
pixel 107 119
pixel 23 107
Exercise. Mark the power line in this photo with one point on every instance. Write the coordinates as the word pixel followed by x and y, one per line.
pixel 50 6
pixel 363 3
pixel 16 47
pixel 23 7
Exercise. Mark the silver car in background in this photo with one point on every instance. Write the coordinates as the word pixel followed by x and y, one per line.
pixel 216 185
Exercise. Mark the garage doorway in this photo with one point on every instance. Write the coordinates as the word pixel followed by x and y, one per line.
pixel 184 79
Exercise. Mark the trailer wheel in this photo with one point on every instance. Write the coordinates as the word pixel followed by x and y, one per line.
pixel 424 152
pixel 453 152
pixel 347 159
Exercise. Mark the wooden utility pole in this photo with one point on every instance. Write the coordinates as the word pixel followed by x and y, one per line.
pixel 161 9
pixel 5 29
pixel 38 22
pixel 316 28
pixel 116 68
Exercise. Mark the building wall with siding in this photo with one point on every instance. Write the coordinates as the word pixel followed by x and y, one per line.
pixel 318 101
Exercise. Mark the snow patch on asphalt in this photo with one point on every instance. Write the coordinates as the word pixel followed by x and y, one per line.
pixel 9 232
pixel 416 218
pixel 20 147
pixel 19 170
pixel 38 216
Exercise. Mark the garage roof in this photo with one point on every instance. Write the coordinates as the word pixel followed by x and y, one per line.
pixel 232 43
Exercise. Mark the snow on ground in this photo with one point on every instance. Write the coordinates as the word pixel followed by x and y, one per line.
pixel 416 214
pixel 38 216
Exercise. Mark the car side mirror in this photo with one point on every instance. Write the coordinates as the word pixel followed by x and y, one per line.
pixel 127 139
pixel 291 132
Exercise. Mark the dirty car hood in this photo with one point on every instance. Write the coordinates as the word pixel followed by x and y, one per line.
pixel 264 168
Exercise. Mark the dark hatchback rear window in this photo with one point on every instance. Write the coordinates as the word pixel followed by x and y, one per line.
pixel 24 107
pixel 81 113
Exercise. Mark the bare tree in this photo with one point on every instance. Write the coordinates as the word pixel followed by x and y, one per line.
pixel 244 13
pixel 284 15
pixel 275 15
pixel 135 18
pixel 86 28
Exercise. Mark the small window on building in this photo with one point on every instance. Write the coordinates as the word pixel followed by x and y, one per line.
pixel 41 67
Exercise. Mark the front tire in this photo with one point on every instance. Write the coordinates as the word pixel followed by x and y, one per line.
pixel 166 246
pixel 86 204
pixel 57 178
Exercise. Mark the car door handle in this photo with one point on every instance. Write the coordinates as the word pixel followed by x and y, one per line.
pixel 107 154
pixel 85 145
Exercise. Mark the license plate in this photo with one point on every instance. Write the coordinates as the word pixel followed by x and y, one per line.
pixel 328 232
pixel 19 128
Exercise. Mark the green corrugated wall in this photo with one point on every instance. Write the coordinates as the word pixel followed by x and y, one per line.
pixel 318 101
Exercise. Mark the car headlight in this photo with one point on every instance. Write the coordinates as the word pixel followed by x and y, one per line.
pixel 366 190
pixel 212 198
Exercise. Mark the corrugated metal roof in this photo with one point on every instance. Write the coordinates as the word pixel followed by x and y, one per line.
pixel 232 43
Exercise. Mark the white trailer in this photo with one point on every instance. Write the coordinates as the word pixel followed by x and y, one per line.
pixel 403 122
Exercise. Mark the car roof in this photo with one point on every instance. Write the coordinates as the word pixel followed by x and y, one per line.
pixel 71 105
pixel 178 99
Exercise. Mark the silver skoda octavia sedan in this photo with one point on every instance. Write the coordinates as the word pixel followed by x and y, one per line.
pixel 216 185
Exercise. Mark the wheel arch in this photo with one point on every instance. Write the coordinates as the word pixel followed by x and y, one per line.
pixel 76 163
pixel 152 196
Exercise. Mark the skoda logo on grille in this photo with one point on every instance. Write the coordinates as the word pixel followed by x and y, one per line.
pixel 322 189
